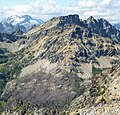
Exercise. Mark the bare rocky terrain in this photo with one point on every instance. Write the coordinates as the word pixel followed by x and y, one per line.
pixel 66 66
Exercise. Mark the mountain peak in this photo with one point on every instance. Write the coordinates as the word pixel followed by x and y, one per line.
pixel 70 19
pixel 91 19
pixel 74 16
pixel 23 22
pixel 26 16
pixel 19 16
pixel 17 19
pixel 94 26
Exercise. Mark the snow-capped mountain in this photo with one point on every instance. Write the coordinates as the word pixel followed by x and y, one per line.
pixel 23 23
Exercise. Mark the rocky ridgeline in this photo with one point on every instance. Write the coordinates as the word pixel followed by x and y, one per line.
pixel 70 19
pixel 9 38
pixel 95 26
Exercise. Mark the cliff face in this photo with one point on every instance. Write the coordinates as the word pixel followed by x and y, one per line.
pixel 59 67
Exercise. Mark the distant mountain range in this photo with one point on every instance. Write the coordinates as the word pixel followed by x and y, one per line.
pixel 117 25
pixel 23 23
pixel 14 23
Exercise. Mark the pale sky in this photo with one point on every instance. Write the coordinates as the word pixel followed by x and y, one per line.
pixel 46 9
pixel 9 3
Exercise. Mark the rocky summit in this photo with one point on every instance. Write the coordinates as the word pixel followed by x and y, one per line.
pixel 69 66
